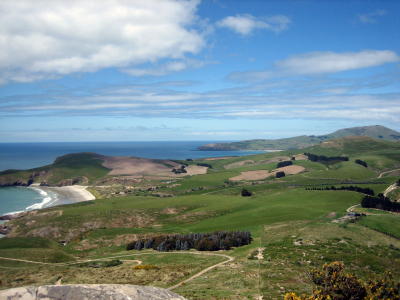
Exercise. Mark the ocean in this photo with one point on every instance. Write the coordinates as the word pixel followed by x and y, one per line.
pixel 31 155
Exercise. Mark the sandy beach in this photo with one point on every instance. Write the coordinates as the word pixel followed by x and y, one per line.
pixel 54 196
pixel 76 193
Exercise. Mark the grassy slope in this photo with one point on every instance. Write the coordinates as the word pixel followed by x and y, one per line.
pixel 68 166
pixel 280 213
pixel 298 142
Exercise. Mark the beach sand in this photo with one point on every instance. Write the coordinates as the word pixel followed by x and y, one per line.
pixel 76 193
pixel 54 196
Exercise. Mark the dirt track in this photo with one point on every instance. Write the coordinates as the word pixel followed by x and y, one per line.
pixel 198 274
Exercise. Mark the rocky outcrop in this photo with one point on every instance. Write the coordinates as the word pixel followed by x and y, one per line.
pixel 89 292
pixel 16 178
pixel 82 180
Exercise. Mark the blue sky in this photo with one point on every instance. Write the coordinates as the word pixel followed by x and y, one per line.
pixel 195 70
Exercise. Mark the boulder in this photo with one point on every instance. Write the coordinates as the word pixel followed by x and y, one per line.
pixel 89 292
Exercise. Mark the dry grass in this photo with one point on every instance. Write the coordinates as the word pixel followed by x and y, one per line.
pixel 263 174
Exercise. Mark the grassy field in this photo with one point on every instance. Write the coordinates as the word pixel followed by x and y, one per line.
pixel 292 228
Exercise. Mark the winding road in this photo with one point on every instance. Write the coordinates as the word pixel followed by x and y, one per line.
pixel 383 173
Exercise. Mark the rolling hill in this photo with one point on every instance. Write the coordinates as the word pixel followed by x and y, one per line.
pixel 298 222
pixel 299 142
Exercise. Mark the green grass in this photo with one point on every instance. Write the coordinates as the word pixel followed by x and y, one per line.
pixel 388 224
pixel 294 226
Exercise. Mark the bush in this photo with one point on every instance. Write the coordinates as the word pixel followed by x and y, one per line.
pixel 146 267
pixel 280 174
pixel 284 163
pixel 246 193
pixel 180 170
pixel 361 162
pixel 334 284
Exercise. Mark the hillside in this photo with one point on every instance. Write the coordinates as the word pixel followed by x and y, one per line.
pixel 299 142
pixel 88 168
pixel 298 222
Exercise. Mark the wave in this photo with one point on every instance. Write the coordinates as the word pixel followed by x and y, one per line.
pixel 48 199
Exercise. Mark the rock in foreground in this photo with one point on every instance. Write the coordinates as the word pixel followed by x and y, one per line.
pixel 89 292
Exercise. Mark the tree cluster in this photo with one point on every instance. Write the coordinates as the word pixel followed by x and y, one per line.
pixel 352 188
pixel 285 163
pixel 361 162
pixel 380 202
pixel 326 159
pixel 180 170
pixel 220 240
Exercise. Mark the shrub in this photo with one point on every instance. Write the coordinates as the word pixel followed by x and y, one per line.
pixel 246 193
pixel 280 174
pixel 284 163
pixel 332 283
pixel 361 162
pixel 146 267
pixel 180 170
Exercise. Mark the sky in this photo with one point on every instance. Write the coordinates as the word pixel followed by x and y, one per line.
pixel 211 70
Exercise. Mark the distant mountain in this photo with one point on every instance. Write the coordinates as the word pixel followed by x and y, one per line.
pixel 298 142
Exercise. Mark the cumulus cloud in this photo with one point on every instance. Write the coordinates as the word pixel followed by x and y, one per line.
pixel 371 17
pixel 246 24
pixel 46 38
pixel 315 63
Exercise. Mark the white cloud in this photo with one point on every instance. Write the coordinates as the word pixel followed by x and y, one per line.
pixel 331 62
pixel 47 38
pixel 245 24
pixel 371 17
pixel 169 67
pixel 315 63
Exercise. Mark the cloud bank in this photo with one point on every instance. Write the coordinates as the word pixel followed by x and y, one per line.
pixel 45 38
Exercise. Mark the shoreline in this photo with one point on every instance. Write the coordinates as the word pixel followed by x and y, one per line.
pixel 59 196
pixel 74 193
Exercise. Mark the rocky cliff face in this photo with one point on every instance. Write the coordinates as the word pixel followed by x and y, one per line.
pixel 89 292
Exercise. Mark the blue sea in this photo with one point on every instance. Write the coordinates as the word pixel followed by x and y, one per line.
pixel 31 155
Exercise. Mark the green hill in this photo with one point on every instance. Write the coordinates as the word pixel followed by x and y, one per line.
pixel 76 168
pixel 298 142
pixel 296 222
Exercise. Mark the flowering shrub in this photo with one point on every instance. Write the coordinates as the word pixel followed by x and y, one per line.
pixel 146 267
pixel 332 283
